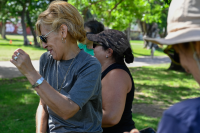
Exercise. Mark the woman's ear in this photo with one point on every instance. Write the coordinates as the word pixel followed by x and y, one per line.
pixel 63 30
pixel 109 52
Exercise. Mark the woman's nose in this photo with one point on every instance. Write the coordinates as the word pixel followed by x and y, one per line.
pixel 44 45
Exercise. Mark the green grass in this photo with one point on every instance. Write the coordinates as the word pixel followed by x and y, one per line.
pixel 138 50
pixel 158 86
pixel 142 121
pixel 154 85
pixel 7 49
pixel 17 106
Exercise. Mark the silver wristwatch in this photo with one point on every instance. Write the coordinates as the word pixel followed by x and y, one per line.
pixel 39 82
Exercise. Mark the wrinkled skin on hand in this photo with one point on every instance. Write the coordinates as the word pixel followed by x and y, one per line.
pixel 23 62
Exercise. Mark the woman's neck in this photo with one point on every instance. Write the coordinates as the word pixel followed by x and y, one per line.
pixel 106 64
pixel 71 51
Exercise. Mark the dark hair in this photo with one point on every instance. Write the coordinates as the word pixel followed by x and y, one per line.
pixel 128 55
pixel 95 26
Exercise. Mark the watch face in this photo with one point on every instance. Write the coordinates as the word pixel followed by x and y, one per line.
pixel 39 81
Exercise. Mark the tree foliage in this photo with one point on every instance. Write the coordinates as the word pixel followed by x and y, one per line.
pixel 28 10
pixel 117 14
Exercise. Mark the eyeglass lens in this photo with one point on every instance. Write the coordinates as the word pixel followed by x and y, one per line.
pixel 43 39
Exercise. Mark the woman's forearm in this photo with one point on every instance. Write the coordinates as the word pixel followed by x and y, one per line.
pixel 57 102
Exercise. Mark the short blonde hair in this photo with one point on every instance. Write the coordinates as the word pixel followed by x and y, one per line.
pixel 61 12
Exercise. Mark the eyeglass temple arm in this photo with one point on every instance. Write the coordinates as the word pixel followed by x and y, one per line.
pixel 48 33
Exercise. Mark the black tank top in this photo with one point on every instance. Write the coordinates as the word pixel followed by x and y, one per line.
pixel 126 123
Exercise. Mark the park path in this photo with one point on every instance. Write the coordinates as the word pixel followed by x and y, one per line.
pixel 8 70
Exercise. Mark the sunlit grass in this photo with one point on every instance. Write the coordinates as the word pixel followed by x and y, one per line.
pixel 18 103
pixel 139 50
pixel 142 121
pixel 7 49
pixel 158 86
pixel 154 85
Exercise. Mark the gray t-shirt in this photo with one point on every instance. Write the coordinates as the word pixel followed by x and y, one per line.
pixel 82 86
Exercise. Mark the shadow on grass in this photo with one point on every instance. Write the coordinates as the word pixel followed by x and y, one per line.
pixel 156 85
pixel 18 105
pixel 143 121
pixel 156 89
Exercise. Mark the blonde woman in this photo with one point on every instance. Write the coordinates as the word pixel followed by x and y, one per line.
pixel 69 82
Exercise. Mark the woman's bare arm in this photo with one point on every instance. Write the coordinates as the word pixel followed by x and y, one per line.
pixel 41 118
pixel 58 103
pixel 115 86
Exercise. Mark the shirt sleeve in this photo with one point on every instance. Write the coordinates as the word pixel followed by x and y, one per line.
pixel 170 124
pixel 87 85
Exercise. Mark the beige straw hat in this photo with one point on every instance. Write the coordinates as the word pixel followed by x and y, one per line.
pixel 183 23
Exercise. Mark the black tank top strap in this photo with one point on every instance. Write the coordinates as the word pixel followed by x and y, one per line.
pixel 115 66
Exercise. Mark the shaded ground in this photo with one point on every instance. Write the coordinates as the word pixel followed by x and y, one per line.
pixel 156 89
pixel 147 109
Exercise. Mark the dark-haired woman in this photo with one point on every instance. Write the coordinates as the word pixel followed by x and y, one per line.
pixel 94 27
pixel 111 48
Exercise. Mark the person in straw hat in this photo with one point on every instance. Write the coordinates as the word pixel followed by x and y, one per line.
pixel 184 38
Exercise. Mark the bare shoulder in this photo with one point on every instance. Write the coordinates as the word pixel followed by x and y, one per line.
pixel 117 78
pixel 118 74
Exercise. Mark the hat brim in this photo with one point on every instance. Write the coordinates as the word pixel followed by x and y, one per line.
pixel 180 36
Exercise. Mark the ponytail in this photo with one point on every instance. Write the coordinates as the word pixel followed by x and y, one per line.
pixel 129 58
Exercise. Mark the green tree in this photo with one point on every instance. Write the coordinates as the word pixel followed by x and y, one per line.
pixel 4 13
pixel 34 9
pixel 120 14
pixel 28 10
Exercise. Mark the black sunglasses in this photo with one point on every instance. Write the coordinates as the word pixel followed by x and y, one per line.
pixel 96 44
pixel 44 38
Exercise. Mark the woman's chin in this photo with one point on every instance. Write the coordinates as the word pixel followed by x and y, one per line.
pixel 55 58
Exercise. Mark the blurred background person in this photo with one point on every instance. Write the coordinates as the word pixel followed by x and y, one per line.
pixel 91 27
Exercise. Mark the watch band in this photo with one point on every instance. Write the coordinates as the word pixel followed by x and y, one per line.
pixel 39 82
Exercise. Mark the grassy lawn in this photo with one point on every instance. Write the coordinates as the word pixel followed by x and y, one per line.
pixel 18 106
pixel 154 85
pixel 138 50
pixel 7 49
pixel 158 86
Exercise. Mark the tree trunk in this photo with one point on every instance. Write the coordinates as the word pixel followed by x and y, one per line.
pixel 3 30
pixel 26 42
pixel 128 32
pixel 32 30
